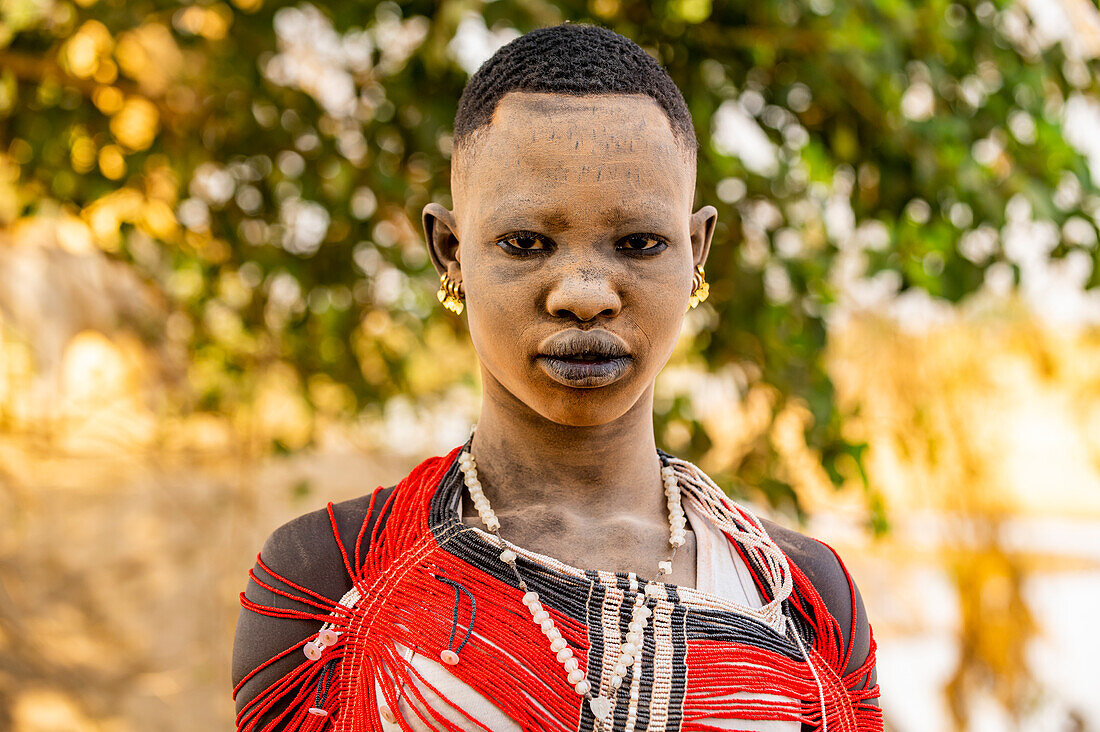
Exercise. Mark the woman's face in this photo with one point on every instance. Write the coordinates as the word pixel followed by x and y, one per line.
pixel 574 241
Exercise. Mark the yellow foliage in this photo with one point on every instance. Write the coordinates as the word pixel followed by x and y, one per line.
pixel 75 236
pixel 281 412
pixel 107 72
pixel 112 163
pixel 106 215
pixel 86 49
pixel 136 124
pixel 82 154
pixel 211 22
pixel 158 219
pixel 108 99
pixel 150 56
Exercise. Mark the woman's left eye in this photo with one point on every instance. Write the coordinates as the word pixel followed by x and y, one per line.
pixel 643 243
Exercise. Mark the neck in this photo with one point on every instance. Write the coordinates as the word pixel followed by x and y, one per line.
pixel 525 459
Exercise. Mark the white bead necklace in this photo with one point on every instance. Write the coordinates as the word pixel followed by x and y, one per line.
pixel 631 649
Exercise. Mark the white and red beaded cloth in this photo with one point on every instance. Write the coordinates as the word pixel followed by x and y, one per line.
pixel 751 647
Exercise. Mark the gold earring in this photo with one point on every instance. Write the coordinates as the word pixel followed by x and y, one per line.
pixel 450 294
pixel 700 288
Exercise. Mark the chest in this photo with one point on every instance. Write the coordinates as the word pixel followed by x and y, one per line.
pixel 526 688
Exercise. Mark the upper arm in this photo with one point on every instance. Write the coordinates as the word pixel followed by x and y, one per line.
pixel 304 551
pixel 838 591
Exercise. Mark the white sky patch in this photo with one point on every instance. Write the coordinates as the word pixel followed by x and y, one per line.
pixel 474 43
pixel 736 133
pixel 312 56
pixel 1081 122
pixel 919 102
pixel 1074 23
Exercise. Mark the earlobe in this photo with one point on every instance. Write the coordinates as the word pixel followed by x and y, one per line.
pixel 702 230
pixel 441 239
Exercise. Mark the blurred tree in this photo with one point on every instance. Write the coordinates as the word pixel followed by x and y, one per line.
pixel 264 166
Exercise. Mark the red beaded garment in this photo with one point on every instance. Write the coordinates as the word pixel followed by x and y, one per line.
pixel 432 584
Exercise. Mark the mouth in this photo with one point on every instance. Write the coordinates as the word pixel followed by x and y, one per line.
pixel 584 359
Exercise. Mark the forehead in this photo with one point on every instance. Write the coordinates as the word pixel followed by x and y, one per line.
pixel 605 155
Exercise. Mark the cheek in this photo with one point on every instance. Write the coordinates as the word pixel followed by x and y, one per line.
pixel 499 314
pixel 656 313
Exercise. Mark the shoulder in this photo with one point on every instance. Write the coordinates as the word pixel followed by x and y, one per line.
pixel 308 551
pixel 825 571
pixel 305 549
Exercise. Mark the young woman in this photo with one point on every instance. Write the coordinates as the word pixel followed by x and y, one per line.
pixel 558 571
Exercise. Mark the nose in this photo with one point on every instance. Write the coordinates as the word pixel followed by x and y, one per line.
pixel 583 295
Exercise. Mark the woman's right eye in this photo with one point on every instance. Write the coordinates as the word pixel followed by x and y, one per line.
pixel 524 243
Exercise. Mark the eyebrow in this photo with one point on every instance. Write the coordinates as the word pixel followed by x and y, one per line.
pixel 619 216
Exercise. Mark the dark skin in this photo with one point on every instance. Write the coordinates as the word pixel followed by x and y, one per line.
pixel 571 214
pixel 574 213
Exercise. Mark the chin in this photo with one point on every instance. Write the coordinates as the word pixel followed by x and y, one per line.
pixel 586 407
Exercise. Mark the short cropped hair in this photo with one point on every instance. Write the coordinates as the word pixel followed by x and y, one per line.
pixel 575 59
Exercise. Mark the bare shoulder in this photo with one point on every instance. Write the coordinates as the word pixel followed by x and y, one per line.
pixel 838 590
pixel 309 551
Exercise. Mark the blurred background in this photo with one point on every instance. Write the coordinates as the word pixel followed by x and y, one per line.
pixel 217 313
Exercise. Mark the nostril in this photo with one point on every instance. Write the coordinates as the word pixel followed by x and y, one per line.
pixel 583 300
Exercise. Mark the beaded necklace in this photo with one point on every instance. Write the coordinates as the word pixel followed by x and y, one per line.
pixel 631 649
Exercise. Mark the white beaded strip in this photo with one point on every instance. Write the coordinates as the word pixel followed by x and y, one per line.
pixel 742 526
pixel 631 649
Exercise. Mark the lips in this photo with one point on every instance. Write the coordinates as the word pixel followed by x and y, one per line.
pixel 584 358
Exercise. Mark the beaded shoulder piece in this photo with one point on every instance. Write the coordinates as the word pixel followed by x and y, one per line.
pixel 434 585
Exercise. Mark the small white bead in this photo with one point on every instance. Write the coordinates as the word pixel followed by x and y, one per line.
pixel 626 660
pixel 652 590
pixel 582 687
pixel 636 626
pixel 327 637
pixel 564 653
pixel 546 625
pixel 312 651
pixel 539 616
pixel 492 523
pixel 629 649
pixel 634 639
pixel 616 682
pixel 530 597
pixel 619 670
pixel 665 566
pixel 633 694
pixel 570 665
pixel 508 556
pixel 645 612
pixel 575 676
pixel 553 634
pixel 557 644
pixel 676 541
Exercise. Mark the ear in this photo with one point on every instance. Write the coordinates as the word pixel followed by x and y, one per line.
pixel 702 229
pixel 439 235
